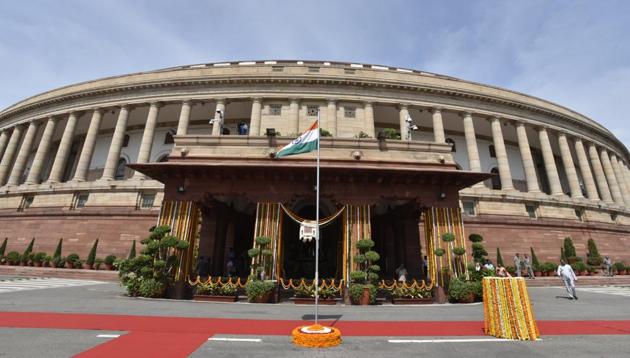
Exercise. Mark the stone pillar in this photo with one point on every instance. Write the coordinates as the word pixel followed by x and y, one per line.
pixel 403 113
pixel 585 170
pixel 610 177
pixel 294 115
pixel 526 157
pixel 550 163
pixel 115 147
pixel 254 124
pixel 144 154
pixel 59 164
pixel 501 153
pixel 438 126
pixel 600 178
pixel 471 143
pixel 184 118
pixel 368 108
pixel 218 118
pixel 621 179
pixel 569 167
pixel 4 139
pixel 626 175
pixel 331 116
pixel 23 154
pixel 7 158
pixel 88 146
pixel 42 152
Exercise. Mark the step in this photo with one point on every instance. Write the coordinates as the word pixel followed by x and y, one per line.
pixel 96 275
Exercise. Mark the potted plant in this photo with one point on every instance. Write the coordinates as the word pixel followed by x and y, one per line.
pixel 579 268
pixel 215 292
pixel 97 264
pixel 257 288
pixel 362 289
pixel 618 267
pixel 46 261
pixel 438 252
pixel 411 295
pixel 305 295
pixel 14 258
pixel 536 266
pixel 27 256
pixel 109 262
pixel 73 261
pixel 38 259
pixel 549 268
pixel 461 291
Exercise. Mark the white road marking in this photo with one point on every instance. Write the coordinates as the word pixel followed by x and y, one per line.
pixel 20 284
pixel 226 339
pixel 609 290
pixel 459 340
pixel 108 336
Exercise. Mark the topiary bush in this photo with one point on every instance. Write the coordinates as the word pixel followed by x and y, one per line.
pixel 26 256
pixel 448 237
pixel 14 258
pixel 499 258
pixel 74 260
pixel 438 252
pixel 569 250
pixel 92 255
pixel 256 289
pixel 3 247
pixel 479 252
pixel 261 256
pixel 535 263
pixel 593 256
pixel 132 252
pixel 461 291
pixel 150 287
pixel 57 253
pixel 356 292
pixel 459 251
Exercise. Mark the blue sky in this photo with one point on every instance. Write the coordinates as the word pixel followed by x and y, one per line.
pixel 574 53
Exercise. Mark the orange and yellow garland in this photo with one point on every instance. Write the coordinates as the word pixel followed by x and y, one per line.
pixel 316 336
pixel 507 311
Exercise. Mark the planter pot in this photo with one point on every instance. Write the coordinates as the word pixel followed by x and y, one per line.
pixel 537 273
pixel 37 264
pixel 311 301
pixel 87 267
pixel 213 298
pixel 582 273
pixel 69 265
pixel 109 267
pixel 440 295
pixel 469 299
pixel 265 298
pixel 365 298
pixel 412 301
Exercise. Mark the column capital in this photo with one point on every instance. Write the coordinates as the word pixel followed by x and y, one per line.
pixel 403 106
pixel 331 100
pixel 257 99
pixel 464 114
pixel 221 100
pixel 436 110
pixel 368 104
pixel 494 118
pixel 157 104
pixel 294 100
pixel 189 102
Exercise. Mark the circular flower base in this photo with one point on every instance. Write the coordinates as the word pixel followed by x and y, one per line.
pixel 316 336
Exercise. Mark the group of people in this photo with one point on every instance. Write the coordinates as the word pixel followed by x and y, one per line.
pixel 523 263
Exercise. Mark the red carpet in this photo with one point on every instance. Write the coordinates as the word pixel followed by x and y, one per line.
pixel 180 336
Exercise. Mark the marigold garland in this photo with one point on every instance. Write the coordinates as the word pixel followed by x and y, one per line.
pixel 316 336
pixel 507 309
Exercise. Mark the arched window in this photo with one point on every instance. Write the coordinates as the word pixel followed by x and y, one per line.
pixel 163 158
pixel 496 180
pixel 120 169
pixel 126 141
pixel 452 143
pixel 168 138
pixel 493 153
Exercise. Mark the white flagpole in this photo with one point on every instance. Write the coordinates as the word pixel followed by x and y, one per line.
pixel 317 228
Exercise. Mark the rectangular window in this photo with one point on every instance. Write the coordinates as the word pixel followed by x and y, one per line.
pixel 147 200
pixel 277 68
pixel 349 112
pixel 311 111
pixel 81 199
pixel 469 208
pixel 349 71
pixel 27 201
pixel 579 213
pixel 275 109
pixel 313 69
pixel 531 210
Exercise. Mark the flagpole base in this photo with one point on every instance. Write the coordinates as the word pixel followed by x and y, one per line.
pixel 316 336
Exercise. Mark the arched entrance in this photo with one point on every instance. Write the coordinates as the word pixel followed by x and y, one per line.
pixel 299 256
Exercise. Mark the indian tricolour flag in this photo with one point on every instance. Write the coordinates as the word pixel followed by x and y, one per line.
pixel 305 143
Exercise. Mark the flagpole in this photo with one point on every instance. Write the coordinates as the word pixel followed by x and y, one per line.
pixel 317 228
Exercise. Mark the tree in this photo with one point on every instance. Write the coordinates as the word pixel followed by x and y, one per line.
pixel 132 252
pixel 593 256
pixel 27 253
pixel 569 250
pixel 563 257
pixel 3 248
pixel 478 251
pixel 535 263
pixel 499 258
pixel 57 253
pixel 92 255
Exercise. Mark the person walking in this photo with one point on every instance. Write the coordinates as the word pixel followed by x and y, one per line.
pixel 517 265
pixel 527 262
pixel 568 277
pixel 607 266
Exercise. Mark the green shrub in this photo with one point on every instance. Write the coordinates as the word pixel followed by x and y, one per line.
pixel 152 288
pixel 92 255
pixel 479 252
pixel 438 252
pixel 358 276
pixel 58 262
pixel 255 289
pixel 362 134
pixel 365 244
pixel 499 258
pixel 535 263
pixel 355 291
pixel 617 266
pixel 26 256
pixel 324 133
pixel 475 238
pixel 323 293
pixel 39 257
pixel 459 251
pixel 448 237
pixel 578 266
pixel 74 259
pixel 3 248
pixel 391 133
pixel 367 271
pixel 58 249
pixel 460 290
pixel 210 288
pixel 132 252
pixel 410 292
pixel 549 267
pixel 569 250
pixel 262 257
pixel 593 256
pixel 109 259
pixel 14 258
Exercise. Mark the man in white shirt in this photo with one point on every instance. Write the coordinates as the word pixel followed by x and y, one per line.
pixel 568 276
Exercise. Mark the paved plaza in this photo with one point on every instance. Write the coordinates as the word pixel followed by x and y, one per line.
pixel 62 318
